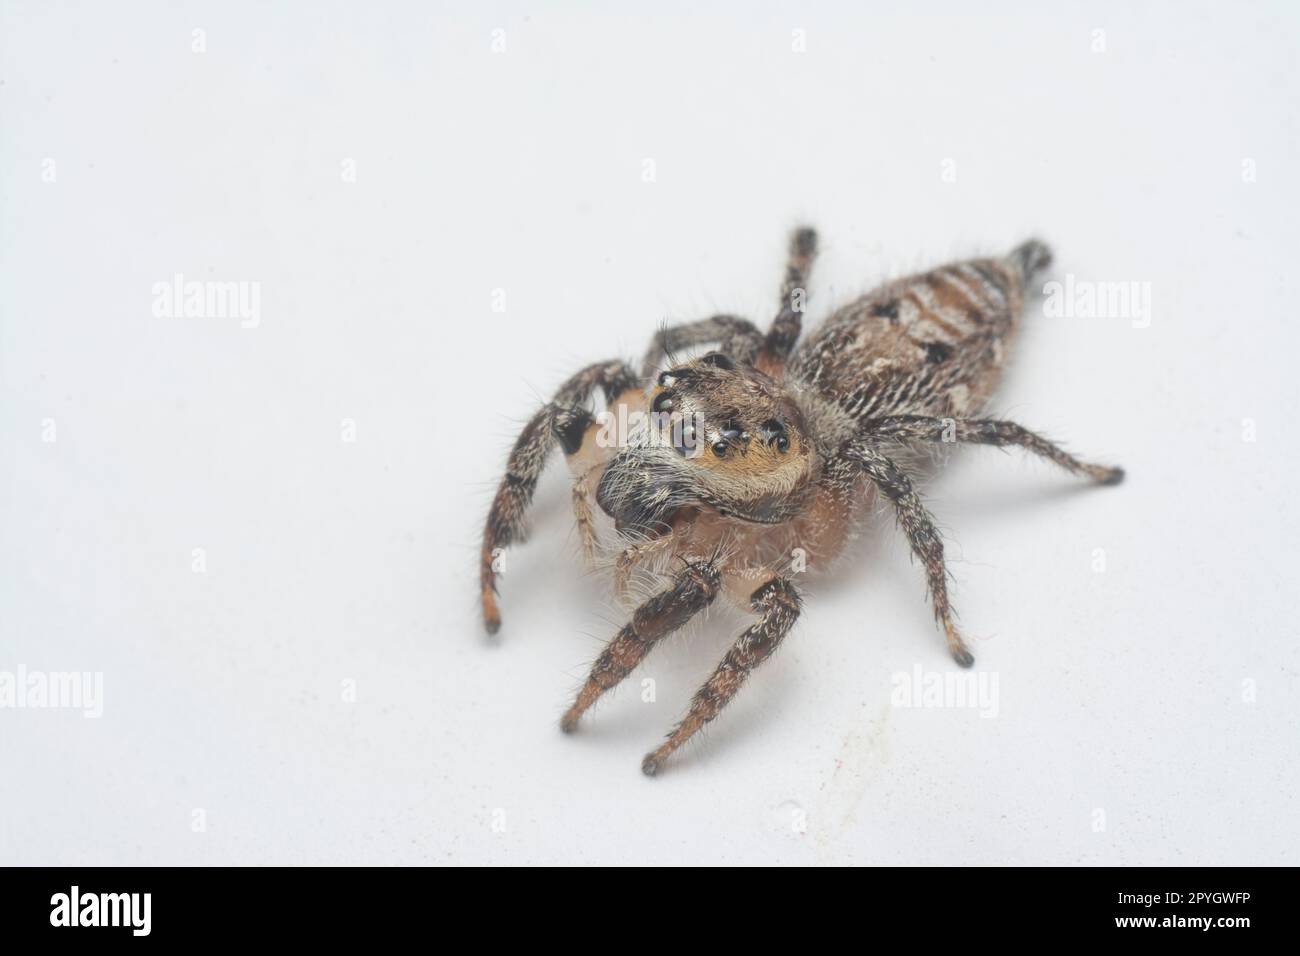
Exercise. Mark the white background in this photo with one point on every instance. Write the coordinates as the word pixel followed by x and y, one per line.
pixel 1125 692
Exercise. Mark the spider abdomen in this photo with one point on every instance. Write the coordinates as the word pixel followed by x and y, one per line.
pixel 929 344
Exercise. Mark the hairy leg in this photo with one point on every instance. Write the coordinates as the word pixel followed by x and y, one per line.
pixel 694 590
pixel 582 518
pixel 788 323
pixel 921 532
pixel 634 554
pixel 564 419
pixel 735 336
pixel 778 603
pixel 987 431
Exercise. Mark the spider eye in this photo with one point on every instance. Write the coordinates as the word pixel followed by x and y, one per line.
pixel 731 434
pixel 773 432
pixel 664 402
pixel 666 378
pixel 718 360
pixel 684 439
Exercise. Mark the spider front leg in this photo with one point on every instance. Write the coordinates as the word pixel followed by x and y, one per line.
pixel 694 590
pixel 564 419
pixel 921 533
pixel 987 431
pixel 778 603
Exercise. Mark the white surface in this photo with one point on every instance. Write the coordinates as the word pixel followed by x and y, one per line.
pixel 329 561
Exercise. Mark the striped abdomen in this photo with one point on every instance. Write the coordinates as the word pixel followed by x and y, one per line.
pixel 929 344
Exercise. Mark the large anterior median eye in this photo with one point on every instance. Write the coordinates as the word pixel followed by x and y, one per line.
pixel 685 440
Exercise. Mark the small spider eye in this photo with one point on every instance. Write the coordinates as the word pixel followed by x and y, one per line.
pixel 773 432
pixel 664 402
pixel 666 379
pixel 720 449
pixel 718 360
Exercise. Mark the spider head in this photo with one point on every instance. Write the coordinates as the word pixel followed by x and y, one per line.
pixel 719 436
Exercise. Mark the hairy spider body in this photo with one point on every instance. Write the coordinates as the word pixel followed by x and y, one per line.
pixel 727 473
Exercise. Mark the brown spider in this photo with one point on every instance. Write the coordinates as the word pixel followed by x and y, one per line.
pixel 726 466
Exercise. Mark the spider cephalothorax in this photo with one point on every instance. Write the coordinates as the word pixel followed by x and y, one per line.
pixel 717 436
pixel 726 466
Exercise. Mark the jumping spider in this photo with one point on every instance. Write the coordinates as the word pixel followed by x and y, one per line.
pixel 758 451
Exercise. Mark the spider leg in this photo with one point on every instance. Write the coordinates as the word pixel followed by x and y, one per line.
pixel 987 431
pixel 631 556
pixel 788 323
pixel 565 419
pixel 735 336
pixel 921 533
pixel 694 590
pixel 778 603
pixel 582 519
